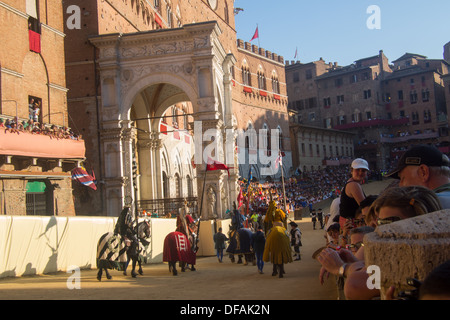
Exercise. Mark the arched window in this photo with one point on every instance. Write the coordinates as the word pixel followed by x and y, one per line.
pixel 246 76
pixel 166 188
pixel 190 187
pixel 178 189
pixel 226 14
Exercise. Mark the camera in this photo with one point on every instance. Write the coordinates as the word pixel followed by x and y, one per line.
pixel 410 294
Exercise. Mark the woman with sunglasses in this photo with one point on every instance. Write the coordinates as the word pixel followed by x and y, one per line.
pixel 400 203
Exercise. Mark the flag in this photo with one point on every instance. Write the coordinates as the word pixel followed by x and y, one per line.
pixel 216 165
pixel 279 160
pixel 296 52
pixel 80 174
pixel 240 198
pixel 256 35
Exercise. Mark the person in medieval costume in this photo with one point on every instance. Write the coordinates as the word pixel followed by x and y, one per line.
pixel 124 225
pixel 277 249
pixel 124 228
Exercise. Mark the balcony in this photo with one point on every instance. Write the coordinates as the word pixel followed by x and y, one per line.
pixel 373 123
pixel 405 138
pixel 40 146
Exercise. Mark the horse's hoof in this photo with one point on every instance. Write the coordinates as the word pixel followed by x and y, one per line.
pixel 99 278
pixel 193 269
pixel 175 272
pixel 108 276
pixel 141 272
pixel 134 274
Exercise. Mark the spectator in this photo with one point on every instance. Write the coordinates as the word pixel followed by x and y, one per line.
pixel 436 285
pixel 392 205
pixel 352 194
pixel 425 166
pixel 31 109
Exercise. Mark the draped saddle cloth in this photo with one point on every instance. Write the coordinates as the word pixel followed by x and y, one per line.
pixel 178 248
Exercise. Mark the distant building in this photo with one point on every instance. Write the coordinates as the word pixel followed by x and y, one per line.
pixel 386 107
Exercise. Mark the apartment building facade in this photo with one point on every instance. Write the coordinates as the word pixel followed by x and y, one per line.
pixel 387 107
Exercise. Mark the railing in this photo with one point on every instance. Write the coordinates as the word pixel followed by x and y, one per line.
pixel 420 136
pixel 374 122
pixel 168 208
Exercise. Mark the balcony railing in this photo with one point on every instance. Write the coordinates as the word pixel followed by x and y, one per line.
pixel 168 208
pixel 421 136
pixel 40 146
pixel 372 123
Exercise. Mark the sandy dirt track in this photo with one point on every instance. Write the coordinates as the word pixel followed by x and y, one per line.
pixel 211 281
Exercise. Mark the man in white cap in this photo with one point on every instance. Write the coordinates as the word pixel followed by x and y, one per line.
pixel 426 166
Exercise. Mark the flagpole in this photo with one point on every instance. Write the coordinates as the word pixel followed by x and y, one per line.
pixel 257 28
pixel 282 180
pixel 203 192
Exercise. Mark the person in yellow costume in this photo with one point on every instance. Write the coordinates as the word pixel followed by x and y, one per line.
pixel 277 249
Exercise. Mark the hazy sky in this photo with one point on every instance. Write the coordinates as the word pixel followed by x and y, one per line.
pixel 337 29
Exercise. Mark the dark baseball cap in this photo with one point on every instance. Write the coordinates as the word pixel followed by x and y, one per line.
pixel 418 155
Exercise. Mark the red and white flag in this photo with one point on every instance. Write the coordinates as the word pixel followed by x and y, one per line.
pixel 80 174
pixel 279 161
pixel 216 165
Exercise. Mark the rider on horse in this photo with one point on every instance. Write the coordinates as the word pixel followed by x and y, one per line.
pixel 124 228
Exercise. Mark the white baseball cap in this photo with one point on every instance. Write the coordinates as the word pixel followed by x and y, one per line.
pixel 360 164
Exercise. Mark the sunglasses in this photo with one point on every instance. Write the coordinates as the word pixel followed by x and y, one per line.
pixel 388 220
pixel 355 247
pixel 359 222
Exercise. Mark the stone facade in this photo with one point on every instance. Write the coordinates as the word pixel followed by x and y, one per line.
pixel 105 97
pixel 33 66
pixel 386 106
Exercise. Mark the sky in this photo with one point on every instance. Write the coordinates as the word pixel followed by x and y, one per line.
pixel 337 30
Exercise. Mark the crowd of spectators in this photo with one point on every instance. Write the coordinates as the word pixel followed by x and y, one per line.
pixel 343 254
pixel 33 127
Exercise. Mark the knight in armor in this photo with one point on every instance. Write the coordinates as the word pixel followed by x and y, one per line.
pixel 124 224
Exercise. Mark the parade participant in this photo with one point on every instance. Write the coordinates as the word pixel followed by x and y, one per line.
pixel 296 239
pixel 124 225
pixel 219 241
pixel 352 194
pixel 277 249
pixel 320 217
pixel 314 218
pixel 258 244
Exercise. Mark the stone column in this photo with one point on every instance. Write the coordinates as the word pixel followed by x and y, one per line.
pixel 410 248
pixel 156 145
pixel 206 145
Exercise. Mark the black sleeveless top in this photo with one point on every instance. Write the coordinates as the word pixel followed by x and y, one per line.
pixel 348 206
